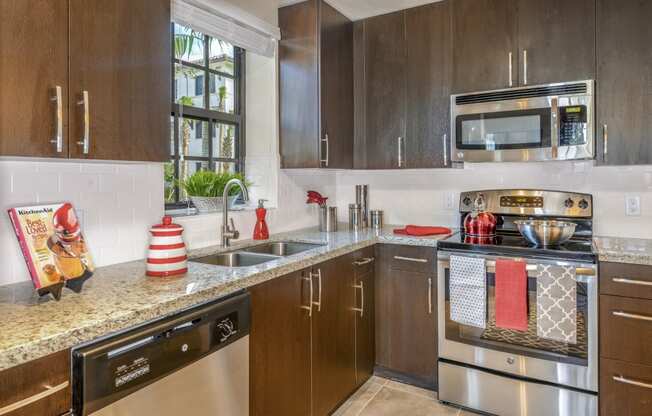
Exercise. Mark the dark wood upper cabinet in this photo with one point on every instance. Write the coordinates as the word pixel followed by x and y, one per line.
pixel 428 85
pixel 316 86
pixel 484 36
pixel 280 347
pixel 120 56
pixel 556 40
pixel 43 386
pixel 34 62
pixel 624 82
pixel 383 75
pixel 406 314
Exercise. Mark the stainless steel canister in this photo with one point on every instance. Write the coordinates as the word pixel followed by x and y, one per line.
pixel 327 219
pixel 355 217
pixel 376 219
pixel 362 199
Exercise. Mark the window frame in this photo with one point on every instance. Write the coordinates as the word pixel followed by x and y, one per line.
pixel 212 117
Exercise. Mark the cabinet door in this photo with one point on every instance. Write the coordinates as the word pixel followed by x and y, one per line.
pixel 280 347
pixel 428 85
pixel 43 387
pixel 625 389
pixel 364 323
pixel 484 34
pixel 406 320
pixel 120 54
pixel 34 51
pixel 385 91
pixel 333 332
pixel 298 57
pixel 336 89
pixel 556 41
pixel 624 82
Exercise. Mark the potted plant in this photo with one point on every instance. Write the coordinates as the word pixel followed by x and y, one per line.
pixel 205 189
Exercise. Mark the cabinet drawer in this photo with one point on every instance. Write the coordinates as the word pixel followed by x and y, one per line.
pixel 630 280
pixel 409 258
pixel 40 387
pixel 364 261
pixel 626 329
pixel 625 389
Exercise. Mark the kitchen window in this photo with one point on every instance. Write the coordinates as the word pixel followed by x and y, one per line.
pixel 207 110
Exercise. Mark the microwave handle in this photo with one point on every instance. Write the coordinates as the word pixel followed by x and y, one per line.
pixel 554 128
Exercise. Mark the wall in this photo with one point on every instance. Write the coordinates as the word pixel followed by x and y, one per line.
pixel 432 196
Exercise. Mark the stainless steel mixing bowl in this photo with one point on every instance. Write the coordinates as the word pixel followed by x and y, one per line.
pixel 545 233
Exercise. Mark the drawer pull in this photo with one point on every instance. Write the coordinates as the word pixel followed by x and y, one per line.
pixel 632 316
pixel 364 261
pixel 49 391
pixel 410 259
pixel 622 379
pixel 631 281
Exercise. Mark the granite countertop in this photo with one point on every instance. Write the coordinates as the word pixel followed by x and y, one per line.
pixel 624 250
pixel 121 296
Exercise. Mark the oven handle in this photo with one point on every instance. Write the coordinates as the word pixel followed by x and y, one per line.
pixel 530 267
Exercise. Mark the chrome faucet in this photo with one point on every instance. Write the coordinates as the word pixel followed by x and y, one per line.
pixel 229 232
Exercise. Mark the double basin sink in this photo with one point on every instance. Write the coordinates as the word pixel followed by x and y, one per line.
pixel 255 255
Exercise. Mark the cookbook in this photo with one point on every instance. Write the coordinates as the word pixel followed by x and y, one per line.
pixel 54 247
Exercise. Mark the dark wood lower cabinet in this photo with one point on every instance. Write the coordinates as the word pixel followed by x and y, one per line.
pixel 280 347
pixel 365 351
pixel 625 389
pixel 20 384
pixel 406 314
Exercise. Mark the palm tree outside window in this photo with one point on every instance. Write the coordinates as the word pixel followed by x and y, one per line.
pixel 207 110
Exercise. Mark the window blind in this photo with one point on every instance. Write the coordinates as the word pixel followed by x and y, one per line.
pixel 227 22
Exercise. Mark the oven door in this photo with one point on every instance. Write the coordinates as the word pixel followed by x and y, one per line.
pixel 523 353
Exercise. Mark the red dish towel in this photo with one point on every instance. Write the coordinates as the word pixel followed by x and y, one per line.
pixel 511 295
pixel 420 231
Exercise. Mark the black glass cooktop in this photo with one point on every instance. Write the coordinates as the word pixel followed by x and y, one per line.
pixel 574 249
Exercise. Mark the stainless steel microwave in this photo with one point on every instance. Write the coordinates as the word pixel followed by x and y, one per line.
pixel 534 123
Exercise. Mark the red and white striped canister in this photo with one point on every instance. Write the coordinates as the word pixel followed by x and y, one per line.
pixel 167 254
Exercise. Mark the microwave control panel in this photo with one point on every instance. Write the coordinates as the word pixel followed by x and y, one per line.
pixel 573 125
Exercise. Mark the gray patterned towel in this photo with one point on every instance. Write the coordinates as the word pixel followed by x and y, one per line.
pixel 557 303
pixel 468 291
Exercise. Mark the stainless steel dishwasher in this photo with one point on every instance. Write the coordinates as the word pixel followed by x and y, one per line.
pixel 193 363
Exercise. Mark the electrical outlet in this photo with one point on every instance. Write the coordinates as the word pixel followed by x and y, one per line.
pixel 449 200
pixel 633 205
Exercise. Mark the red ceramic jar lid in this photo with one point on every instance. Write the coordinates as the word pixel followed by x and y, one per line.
pixel 167 226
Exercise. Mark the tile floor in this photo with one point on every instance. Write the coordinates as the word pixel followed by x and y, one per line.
pixel 382 397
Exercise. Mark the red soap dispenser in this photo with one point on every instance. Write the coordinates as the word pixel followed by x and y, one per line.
pixel 261 232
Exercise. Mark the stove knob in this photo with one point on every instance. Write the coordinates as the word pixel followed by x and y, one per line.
pixel 584 204
pixel 569 203
pixel 225 329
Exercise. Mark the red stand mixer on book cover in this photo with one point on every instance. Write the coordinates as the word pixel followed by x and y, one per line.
pixel 55 251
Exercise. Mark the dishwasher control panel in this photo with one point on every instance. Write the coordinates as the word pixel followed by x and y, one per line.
pixel 108 370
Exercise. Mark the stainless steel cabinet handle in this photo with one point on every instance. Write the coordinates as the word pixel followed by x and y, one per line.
pixel 632 316
pixel 361 308
pixel 311 294
pixel 318 276
pixel 445 139
pixel 400 152
pixel 49 391
pixel 58 116
pixel 605 141
pixel 430 295
pixel 414 260
pixel 364 261
pixel 86 138
pixel 622 379
pixel 524 66
pixel 325 141
pixel 511 78
pixel 631 281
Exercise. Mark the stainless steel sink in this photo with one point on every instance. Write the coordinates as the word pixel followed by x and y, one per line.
pixel 235 259
pixel 283 248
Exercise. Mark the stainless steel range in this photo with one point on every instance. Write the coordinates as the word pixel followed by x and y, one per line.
pixel 549 366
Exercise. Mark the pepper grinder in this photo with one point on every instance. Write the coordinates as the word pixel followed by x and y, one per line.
pixel 362 199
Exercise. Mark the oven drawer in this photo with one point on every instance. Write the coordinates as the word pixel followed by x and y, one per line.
pixel 626 329
pixel 629 280
pixel 408 258
pixel 625 389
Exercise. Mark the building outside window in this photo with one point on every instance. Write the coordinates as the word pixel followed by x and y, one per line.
pixel 207 109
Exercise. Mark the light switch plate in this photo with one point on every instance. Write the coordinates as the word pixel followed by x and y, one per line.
pixel 633 205
pixel 449 200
